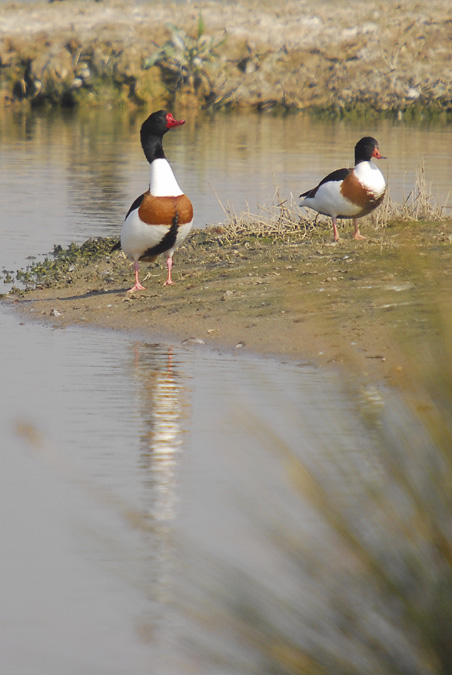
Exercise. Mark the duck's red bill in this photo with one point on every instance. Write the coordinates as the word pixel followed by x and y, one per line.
pixel 377 154
pixel 171 122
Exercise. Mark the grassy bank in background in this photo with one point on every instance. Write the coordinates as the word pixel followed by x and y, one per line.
pixel 370 58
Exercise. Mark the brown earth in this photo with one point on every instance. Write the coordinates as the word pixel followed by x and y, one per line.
pixel 374 308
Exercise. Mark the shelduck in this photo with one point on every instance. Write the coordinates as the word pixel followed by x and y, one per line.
pixel 350 193
pixel 160 219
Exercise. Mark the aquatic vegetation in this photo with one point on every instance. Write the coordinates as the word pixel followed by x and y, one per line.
pixel 62 262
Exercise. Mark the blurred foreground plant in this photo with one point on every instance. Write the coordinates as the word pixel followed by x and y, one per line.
pixel 354 575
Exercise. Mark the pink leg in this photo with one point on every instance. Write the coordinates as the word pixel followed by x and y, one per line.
pixel 336 233
pixel 169 264
pixel 137 286
pixel 357 234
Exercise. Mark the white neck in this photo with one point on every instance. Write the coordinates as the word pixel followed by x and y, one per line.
pixel 370 176
pixel 162 181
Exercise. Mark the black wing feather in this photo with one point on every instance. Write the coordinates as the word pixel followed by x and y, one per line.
pixel 338 175
pixel 136 205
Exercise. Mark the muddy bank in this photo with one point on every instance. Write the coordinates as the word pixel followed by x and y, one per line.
pixel 364 57
pixel 369 307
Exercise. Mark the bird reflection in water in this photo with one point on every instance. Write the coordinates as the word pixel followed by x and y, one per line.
pixel 163 407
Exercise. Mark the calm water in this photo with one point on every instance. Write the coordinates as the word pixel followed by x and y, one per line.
pixel 131 437
pixel 135 446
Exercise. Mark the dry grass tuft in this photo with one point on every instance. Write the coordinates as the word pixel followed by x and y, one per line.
pixel 419 204
pixel 280 220
pixel 284 219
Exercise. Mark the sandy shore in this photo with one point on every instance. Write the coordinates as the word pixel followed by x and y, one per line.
pixel 370 307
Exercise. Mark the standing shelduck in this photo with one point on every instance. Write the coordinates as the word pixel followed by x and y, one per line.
pixel 350 193
pixel 160 219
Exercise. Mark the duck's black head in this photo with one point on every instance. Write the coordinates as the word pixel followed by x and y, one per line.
pixel 366 148
pixel 152 131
